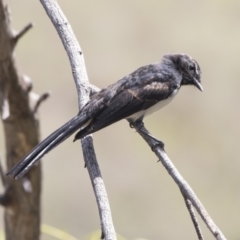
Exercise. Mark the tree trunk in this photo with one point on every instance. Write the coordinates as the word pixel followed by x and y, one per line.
pixel 21 198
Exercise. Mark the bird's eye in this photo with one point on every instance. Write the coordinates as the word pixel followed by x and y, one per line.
pixel 191 67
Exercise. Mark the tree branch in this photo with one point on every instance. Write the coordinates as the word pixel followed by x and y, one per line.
pixel 185 189
pixel 20 34
pixel 84 90
pixel 194 218
pixel 99 188
pixel 41 98
pixel 93 89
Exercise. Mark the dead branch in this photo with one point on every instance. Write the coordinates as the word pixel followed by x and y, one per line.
pixel 194 218
pixel 21 33
pixel 84 90
pixel 22 209
pixel 185 189
pixel 41 98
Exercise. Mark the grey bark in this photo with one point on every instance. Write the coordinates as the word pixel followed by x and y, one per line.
pixel 84 90
pixel 185 189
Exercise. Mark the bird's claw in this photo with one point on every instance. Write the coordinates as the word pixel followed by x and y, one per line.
pixel 131 124
pixel 158 144
pixel 137 123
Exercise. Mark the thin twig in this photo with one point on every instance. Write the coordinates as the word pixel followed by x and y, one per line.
pixel 80 76
pixel 182 184
pixel 194 218
pixel 21 33
pixel 42 98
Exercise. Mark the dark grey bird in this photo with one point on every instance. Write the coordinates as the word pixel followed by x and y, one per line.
pixel 133 97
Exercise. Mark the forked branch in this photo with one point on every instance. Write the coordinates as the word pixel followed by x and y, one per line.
pixel 185 189
pixel 194 218
pixel 84 90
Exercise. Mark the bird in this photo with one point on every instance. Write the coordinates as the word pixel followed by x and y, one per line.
pixel 144 91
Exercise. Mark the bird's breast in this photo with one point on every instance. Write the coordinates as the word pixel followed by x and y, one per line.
pixel 154 108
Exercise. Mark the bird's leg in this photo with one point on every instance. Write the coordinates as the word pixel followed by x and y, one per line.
pixel 139 125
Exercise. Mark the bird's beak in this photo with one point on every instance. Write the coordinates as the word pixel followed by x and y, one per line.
pixel 197 84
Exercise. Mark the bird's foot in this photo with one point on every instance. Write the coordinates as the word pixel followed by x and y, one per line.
pixel 131 124
pixel 136 123
pixel 157 144
pixel 140 128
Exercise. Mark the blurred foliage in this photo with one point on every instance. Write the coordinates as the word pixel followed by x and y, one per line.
pixel 62 235
pixel 56 233
pixel 50 231
pixel 96 235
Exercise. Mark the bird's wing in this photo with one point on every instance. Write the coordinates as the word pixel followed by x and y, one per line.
pixel 127 102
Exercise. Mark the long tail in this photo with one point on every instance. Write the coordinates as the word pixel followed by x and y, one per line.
pixel 46 145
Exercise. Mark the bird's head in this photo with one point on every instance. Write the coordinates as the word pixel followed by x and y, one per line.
pixel 188 68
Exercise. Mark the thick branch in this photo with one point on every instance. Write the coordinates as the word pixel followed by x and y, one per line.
pixel 185 189
pixel 84 90
pixel 72 48
pixel 100 191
